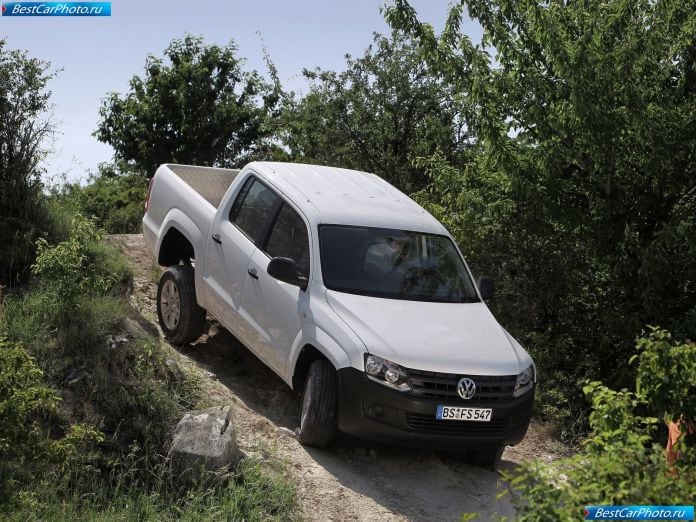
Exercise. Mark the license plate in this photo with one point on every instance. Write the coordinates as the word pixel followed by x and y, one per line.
pixel 459 413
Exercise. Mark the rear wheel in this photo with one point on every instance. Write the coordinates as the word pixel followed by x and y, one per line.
pixel 486 457
pixel 180 317
pixel 319 399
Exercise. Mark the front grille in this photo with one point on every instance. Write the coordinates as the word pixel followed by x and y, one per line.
pixel 428 423
pixel 444 385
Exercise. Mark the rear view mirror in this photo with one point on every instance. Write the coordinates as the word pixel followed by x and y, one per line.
pixel 486 287
pixel 285 269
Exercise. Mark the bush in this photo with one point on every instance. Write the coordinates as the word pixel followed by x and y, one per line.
pixel 29 412
pixel 623 461
pixel 64 317
pixel 74 302
pixel 115 200
pixel 665 375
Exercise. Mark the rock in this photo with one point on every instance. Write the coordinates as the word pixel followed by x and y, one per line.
pixel 134 329
pixel 203 441
pixel 137 327
pixel 113 342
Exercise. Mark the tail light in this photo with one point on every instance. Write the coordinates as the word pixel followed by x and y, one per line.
pixel 149 191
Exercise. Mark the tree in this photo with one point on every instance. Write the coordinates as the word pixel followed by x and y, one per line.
pixel 195 106
pixel 384 109
pixel 585 123
pixel 24 130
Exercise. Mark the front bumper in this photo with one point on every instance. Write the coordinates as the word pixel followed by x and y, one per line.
pixel 370 410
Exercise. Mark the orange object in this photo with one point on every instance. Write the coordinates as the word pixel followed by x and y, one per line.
pixel 674 430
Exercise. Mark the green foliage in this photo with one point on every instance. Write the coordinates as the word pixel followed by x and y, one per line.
pixel 129 392
pixel 70 267
pixel 581 177
pixel 24 402
pixel 143 399
pixel 113 199
pixel 629 475
pixel 613 420
pixel 196 106
pixel 24 130
pixel 75 301
pixel 621 464
pixel 384 109
pixel 28 410
pixel 665 376
pixel 254 491
pixel 64 319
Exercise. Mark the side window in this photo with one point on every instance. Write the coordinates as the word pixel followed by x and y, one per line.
pixel 252 207
pixel 289 239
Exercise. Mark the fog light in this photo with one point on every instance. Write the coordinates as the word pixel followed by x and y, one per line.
pixel 375 410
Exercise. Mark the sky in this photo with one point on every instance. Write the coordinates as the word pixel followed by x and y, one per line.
pixel 98 55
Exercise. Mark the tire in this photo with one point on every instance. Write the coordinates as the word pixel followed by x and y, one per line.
pixel 486 457
pixel 319 400
pixel 180 317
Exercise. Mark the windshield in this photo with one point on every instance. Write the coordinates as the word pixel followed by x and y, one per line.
pixel 394 264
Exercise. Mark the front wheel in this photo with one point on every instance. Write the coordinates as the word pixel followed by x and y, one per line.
pixel 319 400
pixel 180 316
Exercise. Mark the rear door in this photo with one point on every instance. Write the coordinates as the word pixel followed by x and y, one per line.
pixel 273 308
pixel 235 234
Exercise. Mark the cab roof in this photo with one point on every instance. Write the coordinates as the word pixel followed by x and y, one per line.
pixel 349 197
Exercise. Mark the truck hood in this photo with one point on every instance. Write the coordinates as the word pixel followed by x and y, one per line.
pixel 459 338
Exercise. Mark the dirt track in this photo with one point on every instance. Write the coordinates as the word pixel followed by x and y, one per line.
pixel 351 480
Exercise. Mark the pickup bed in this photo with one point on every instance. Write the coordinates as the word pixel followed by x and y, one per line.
pixel 351 292
pixel 198 185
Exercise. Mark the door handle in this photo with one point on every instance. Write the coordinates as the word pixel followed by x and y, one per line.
pixel 216 238
pixel 253 273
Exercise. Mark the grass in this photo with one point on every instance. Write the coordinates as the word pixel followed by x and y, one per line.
pixel 124 394
pixel 250 493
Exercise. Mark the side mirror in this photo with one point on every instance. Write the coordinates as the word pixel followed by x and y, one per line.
pixel 486 287
pixel 285 269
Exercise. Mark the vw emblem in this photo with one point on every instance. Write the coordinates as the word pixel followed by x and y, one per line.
pixel 466 388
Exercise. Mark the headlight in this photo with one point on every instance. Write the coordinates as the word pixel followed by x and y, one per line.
pixel 525 381
pixel 387 373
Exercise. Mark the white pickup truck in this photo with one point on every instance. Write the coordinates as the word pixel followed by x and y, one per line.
pixel 348 290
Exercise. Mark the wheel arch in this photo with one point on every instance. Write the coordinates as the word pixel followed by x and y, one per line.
pixel 179 239
pixel 308 354
pixel 311 343
pixel 308 351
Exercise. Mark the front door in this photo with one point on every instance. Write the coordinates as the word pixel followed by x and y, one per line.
pixel 271 307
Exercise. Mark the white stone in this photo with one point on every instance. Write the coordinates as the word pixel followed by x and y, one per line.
pixel 203 441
